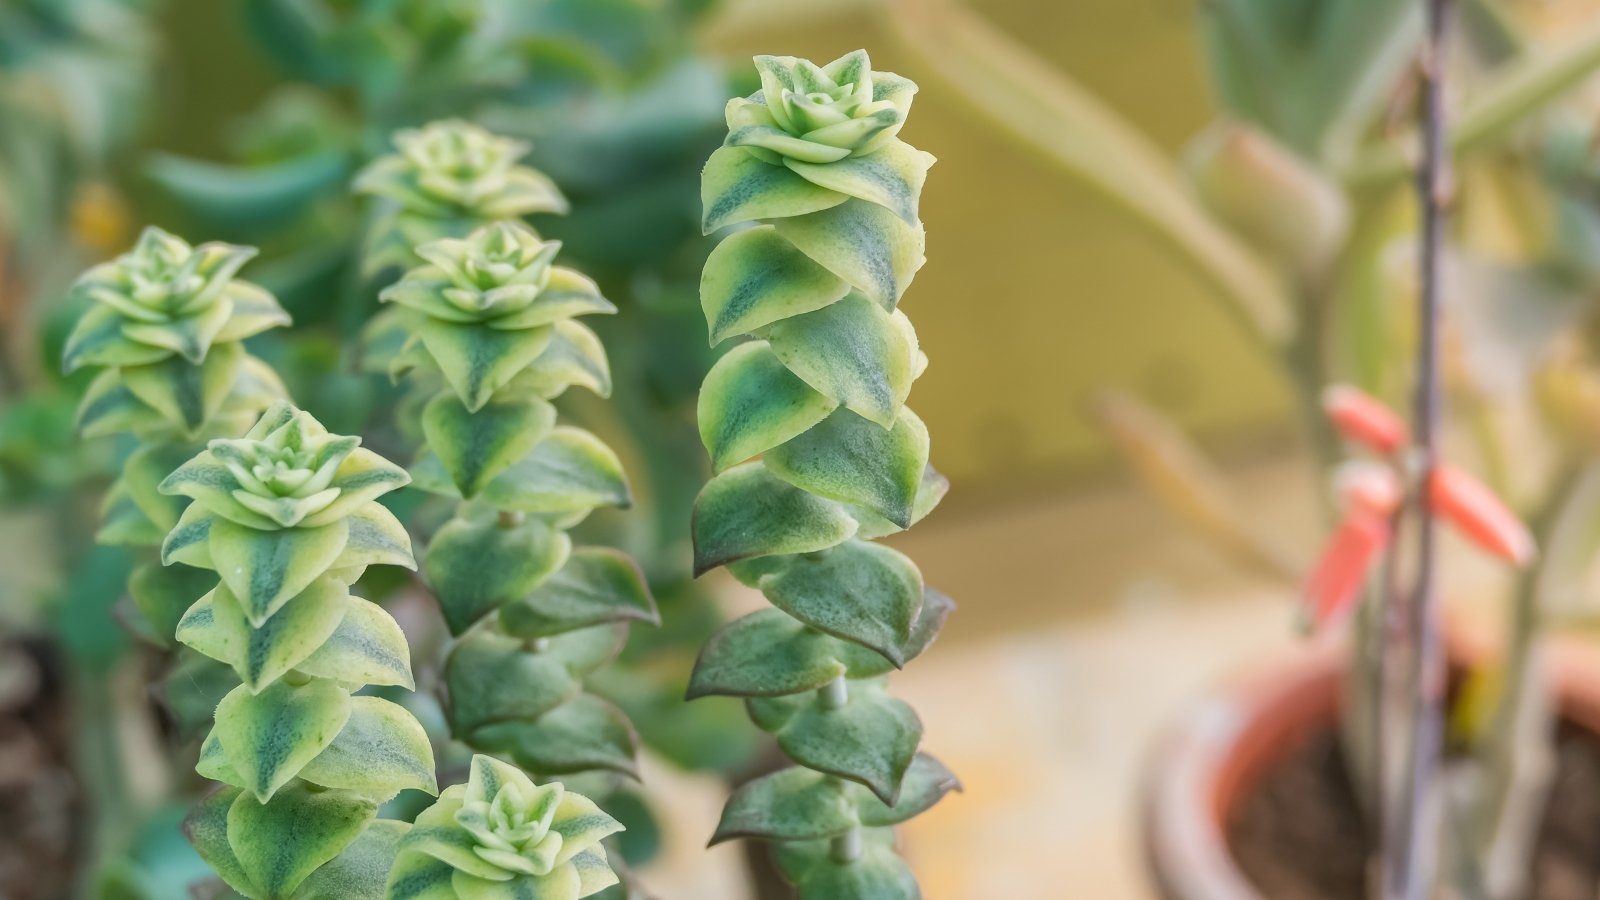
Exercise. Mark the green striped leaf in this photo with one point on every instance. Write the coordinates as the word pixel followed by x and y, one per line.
pixel 870 739
pixel 852 460
pixel 375 538
pixel 583 734
pixel 368 647
pixel 418 876
pixel 206 826
pixel 930 492
pixel 142 475
pixel 478 361
pixel 793 804
pixel 755 278
pixel 751 402
pixel 216 626
pixel 477 446
pixel 361 870
pixel 478 566
pixel 737 187
pixel 855 352
pixel 279 843
pixel 926 782
pixel 568 293
pixel 569 471
pixel 574 356
pixel 189 541
pixel 269 737
pixel 381 750
pixel 494 677
pixel 861 592
pixel 596 585
pixel 164 593
pixel 97 340
pixel 264 569
pixel 866 245
pixel 890 177
pixel 765 654
pixel 186 395
pixel 747 512
pixel 110 407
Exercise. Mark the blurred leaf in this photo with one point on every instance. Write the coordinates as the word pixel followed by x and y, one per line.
pixel 239 202
pixel 1186 482
pixel 1046 112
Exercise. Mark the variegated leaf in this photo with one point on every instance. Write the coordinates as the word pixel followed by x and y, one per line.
pixel 751 402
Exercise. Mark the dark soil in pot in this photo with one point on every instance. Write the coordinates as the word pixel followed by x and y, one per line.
pixel 1299 835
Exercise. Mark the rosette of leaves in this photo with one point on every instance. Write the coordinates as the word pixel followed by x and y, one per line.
pixel 164 325
pixel 444 180
pixel 816 455
pixel 495 339
pixel 502 836
pixel 287 519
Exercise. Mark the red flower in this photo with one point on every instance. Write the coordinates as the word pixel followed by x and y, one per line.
pixel 1470 506
pixel 1362 418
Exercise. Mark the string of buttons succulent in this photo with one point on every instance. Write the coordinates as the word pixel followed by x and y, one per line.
pixel 491 339
pixel 816 455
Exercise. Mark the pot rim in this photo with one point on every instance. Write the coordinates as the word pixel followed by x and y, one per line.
pixel 1221 743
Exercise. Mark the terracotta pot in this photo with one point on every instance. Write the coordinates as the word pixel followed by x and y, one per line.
pixel 1214 756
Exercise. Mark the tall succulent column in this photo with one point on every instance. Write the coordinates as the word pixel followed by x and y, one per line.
pixel 816 456
pixel 287 519
pixel 494 339
pixel 165 326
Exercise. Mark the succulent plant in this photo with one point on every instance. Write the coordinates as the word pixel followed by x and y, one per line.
pixel 445 179
pixel 287 518
pixel 502 836
pixel 816 456
pixel 493 339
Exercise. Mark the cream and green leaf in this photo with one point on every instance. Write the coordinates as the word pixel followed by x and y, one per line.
pixel 816 455
pixel 287 518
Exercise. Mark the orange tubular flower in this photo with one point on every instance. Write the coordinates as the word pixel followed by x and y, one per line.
pixel 1470 506
pixel 1345 561
pixel 1363 419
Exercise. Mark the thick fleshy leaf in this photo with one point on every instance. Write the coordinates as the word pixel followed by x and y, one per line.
pixel 493 677
pixel 476 566
pixel 279 843
pixel 216 626
pixel 755 278
pixel 870 739
pixel 206 826
pixel 567 294
pixel 582 825
pixel 109 407
pixel 570 471
pixel 381 750
pixel 929 494
pixel 361 478
pixel 574 356
pixel 765 654
pixel 185 394
pixel 858 591
pixel 596 585
pixel 890 177
pixel 583 734
pixel 191 690
pixel 560 884
pixel 164 593
pixel 122 522
pixel 142 474
pixel 206 480
pixel 477 446
pixel 361 870
pixel 594 871
pixel 368 647
pixel 97 340
pixel 478 361
pixel 852 460
pixel 793 804
pixel 254 310
pixel 268 737
pixel 855 352
pixel 925 783
pixel 375 538
pixel 866 245
pixel 751 402
pixel 418 876
pixel 747 511
pixel 737 187
pixel 266 568
pixel 189 541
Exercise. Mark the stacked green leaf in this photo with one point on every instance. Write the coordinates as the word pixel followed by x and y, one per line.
pixel 445 180
pixel 502 836
pixel 287 518
pixel 493 338
pixel 165 326
pixel 816 456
